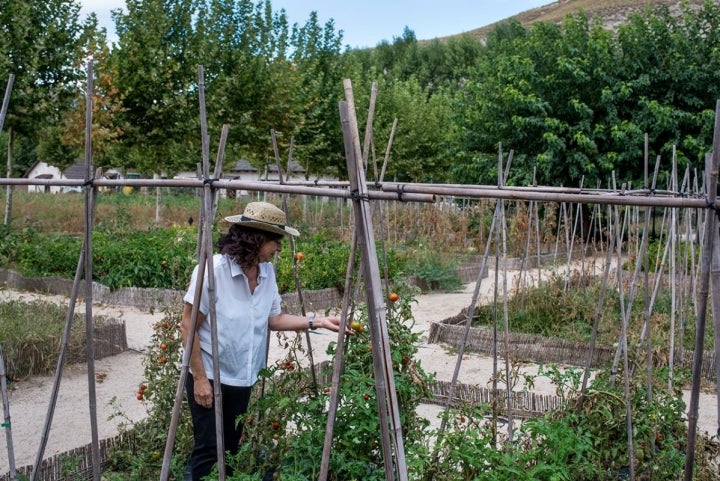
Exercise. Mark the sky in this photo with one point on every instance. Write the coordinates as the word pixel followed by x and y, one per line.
pixel 367 23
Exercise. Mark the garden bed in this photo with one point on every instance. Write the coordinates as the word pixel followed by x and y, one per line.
pixel 541 349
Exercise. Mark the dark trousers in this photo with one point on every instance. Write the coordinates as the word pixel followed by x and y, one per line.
pixel 204 454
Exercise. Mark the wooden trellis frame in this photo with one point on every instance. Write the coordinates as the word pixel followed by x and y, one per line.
pixel 357 190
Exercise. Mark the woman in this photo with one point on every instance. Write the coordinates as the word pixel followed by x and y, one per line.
pixel 247 304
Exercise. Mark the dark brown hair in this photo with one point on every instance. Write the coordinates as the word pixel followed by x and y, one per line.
pixel 243 243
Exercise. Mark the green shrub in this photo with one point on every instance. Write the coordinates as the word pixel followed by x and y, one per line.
pixel 435 268
pixel 161 258
pixel 140 456
pixel 164 258
pixel 285 428
pixel 584 439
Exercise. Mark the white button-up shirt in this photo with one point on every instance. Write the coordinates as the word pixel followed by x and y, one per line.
pixel 242 320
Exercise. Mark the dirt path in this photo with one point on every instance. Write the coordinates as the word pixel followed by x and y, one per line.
pixel 123 373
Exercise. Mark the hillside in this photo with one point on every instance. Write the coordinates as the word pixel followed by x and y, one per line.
pixel 612 12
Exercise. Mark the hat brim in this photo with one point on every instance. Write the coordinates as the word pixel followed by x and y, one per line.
pixel 275 228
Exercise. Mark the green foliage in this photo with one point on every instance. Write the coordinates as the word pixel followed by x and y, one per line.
pixel 318 262
pixel 54 255
pixel 435 270
pixel 285 428
pixel 140 456
pixel 161 258
pixel 156 71
pixel 583 439
pixel 39 45
pixel 155 258
pixel 164 258
pixel 536 91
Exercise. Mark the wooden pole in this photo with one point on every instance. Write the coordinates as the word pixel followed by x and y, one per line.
pixel 296 277
pixel 598 311
pixel 89 332
pixel 7 421
pixel 339 364
pixel 715 273
pixel 469 317
pixel 369 131
pixel 709 234
pixel 3 384
pixel 382 361
pixel 205 255
pixel 387 151
pixel 6 100
pixel 3 114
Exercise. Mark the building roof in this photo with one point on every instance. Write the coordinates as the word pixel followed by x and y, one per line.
pixel 75 171
pixel 243 165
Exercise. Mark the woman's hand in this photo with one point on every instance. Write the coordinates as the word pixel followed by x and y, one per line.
pixel 203 393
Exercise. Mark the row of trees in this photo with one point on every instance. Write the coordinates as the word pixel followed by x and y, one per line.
pixel 573 101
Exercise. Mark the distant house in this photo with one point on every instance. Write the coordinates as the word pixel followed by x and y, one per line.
pixel 243 170
pixel 43 170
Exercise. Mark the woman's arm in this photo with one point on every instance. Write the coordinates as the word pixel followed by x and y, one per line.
pixel 203 390
pixel 289 322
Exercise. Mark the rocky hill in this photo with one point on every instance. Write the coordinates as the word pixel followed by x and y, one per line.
pixel 612 12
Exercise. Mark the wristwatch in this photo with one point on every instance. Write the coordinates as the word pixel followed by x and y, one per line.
pixel 311 318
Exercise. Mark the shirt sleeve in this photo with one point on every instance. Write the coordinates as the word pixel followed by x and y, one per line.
pixel 190 294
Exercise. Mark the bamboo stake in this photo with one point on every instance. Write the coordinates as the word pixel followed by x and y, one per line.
pixel 506 314
pixel 355 171
pixel 89 334
pixel 296 277
pixel 598 310
pixel 469 317
pixel 562 219
pixel 396 192
pixel 3 114
pixel 61 361
pixel 204 262
pixel 339 364
pixel 385 383
pixel 641 254
pixel 6 100
pixel 624 347
pixel 9 189
pixel 673 280
pixel 571 242
pixel 715 273
pixel 369 131
pixel 711 165
pixel 3 384
pixel 621 296
pixel 7 425
pixel 387 151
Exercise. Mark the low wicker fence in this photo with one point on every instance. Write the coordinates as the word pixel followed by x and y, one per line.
pixel 73 465
pixel 536 348
pixel 523 404
pixel 155 299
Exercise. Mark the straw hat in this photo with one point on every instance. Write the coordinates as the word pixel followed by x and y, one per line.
pixel 263 216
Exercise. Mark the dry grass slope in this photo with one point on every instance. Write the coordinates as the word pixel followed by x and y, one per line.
pixel 612 12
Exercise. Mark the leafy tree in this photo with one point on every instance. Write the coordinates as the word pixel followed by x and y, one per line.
pixel 39 45
pixel 420 149
pixel 68 138
pixel 318 133
pixel 156 66
pixel 574 101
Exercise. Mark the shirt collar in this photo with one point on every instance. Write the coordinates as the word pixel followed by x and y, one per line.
pixel 236 270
